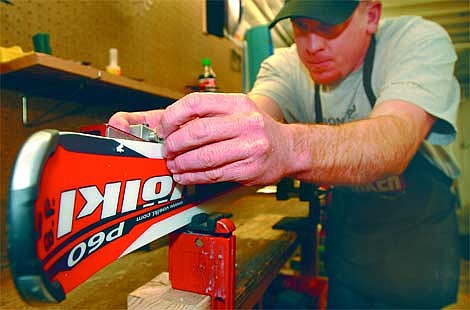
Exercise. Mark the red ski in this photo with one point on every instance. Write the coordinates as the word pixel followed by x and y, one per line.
pixel 77 202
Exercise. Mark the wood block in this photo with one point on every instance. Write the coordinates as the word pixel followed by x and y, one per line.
pixel 158 294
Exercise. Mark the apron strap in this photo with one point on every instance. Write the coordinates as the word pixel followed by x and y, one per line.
pixel 318 109
pixel 367 72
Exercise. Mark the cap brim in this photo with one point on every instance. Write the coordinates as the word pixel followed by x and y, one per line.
pixel 328 12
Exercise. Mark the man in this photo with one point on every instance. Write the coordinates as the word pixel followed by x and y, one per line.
pixel 363 107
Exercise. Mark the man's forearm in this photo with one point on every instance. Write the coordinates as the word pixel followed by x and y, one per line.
pixel 352 153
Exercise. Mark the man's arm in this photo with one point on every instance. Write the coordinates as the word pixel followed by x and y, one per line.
pixel 356 152
pixel 363 150
pixel 230 137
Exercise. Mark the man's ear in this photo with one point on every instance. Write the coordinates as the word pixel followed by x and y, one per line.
pixel 374 11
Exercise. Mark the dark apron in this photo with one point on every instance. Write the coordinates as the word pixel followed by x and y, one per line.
pixel 400 248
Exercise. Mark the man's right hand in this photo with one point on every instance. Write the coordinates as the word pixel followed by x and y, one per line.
pixel 218 137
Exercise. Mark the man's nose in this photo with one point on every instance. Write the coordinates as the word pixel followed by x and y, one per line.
pixel 315 43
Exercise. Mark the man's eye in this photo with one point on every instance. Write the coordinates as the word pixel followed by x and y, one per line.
pixel 330 31
pixel 327 30
pixel 301 25
pixel 324 30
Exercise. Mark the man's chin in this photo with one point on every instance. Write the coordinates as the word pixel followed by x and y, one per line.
pixel 325 79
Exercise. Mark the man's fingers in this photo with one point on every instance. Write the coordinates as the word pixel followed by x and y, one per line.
pixel 202 131
pixel 210 156
pixel 198 105
pixel 236 172
pixel 123 120
pixel 120 120
pixel 152 119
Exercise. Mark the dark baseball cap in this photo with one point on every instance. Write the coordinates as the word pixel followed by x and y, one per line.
pixel 330 12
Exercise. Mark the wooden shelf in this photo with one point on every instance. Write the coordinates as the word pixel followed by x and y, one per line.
pixel 48 76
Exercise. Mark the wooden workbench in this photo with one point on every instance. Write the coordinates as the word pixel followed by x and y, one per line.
pixel 261 252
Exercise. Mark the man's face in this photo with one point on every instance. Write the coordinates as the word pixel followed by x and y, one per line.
pixel 331 52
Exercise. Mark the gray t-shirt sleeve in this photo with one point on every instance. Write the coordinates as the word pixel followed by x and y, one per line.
pixel 417 66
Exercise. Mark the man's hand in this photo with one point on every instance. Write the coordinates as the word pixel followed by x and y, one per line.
pixel 223 137
pixel 123 120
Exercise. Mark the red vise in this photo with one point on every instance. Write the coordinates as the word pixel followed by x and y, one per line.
pixel 202 259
